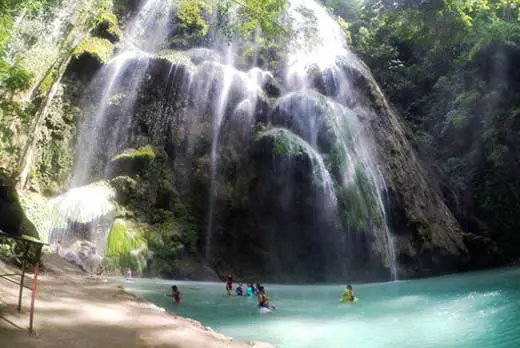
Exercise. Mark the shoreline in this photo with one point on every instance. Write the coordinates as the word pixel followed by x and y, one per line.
pixel 80 311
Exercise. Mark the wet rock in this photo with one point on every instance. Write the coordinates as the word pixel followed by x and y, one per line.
pixel 201 55
pixel 84 254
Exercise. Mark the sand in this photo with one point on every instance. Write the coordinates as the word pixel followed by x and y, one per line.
pixel 79 311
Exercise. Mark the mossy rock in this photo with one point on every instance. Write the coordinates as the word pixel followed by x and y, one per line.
pixel 13 220
pixel 125 247
pixel 273 88
pixel 177 58
pixel 47 82
pixel 282 142
pixel 108 27
pixel 99 48
pixel 133 162
pixel 41 212
pixel 119 240
pixel 126 188
pixel 359 205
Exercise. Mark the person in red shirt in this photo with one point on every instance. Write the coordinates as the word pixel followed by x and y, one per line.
pixel 176 294
pixel 229 284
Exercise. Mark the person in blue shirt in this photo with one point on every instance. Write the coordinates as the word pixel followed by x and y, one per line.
pixel 239 291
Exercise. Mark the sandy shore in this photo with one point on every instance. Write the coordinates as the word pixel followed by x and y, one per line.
pixel 74 310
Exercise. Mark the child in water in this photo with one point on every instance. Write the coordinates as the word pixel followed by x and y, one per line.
pixel 348 295
pixel 176 294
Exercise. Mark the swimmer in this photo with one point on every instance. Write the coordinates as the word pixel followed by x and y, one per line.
pixel 239 291
pixel 348 295
pixel 263 299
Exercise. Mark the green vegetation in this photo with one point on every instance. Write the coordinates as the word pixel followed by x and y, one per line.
pixel 145 153
pixel 261 26
pixel 359 204
pixel 99 48
pixel 451 68
pixel 153 210
pixel 250 16
pixel 125 248
pixel 119 240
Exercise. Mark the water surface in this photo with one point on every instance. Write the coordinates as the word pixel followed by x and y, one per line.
pixel 475 310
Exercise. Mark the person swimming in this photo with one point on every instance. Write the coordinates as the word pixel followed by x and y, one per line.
pixel 263 299
pixel 229 284
pixel 239 291
pixel 348 295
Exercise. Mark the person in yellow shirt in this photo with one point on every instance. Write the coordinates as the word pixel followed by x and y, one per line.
pixel 348 295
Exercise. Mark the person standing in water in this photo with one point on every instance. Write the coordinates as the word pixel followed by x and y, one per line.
pixel 250 290
pixel 239 291
pixel 128 274
pixel 176 294
pixel 229 284
pixel 263 299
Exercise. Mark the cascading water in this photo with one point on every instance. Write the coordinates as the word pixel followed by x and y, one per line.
pixel 145 34
pixel 314 61
pixel 103 134
pixel 314 188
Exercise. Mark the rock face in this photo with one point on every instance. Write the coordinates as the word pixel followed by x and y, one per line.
pixel 82 253
pixel 428 239
pixel 302 174
pixel 14 222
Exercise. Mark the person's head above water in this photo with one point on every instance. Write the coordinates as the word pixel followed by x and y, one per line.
pixel 174 288
pixel 261 289
pixel 349 287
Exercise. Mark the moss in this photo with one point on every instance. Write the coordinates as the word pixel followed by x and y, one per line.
pixel 118 240
pixel 284 142
pixel 99 48
pixel 54 152
pixel 108 27
pixel 424 229
pixel 359 204
pixel 47 82
pixel 143 153
pixel 39 210
pixel 126 188
pixel 133 162
pixel 126 247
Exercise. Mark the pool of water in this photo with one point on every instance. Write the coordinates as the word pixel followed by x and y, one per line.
pixel 474 310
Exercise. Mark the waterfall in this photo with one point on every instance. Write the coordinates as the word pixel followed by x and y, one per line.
pixel 310 136
pixel 144 35
pixel 315 60
pixel 102 134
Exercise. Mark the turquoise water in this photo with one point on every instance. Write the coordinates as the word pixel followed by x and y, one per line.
pixel 473 310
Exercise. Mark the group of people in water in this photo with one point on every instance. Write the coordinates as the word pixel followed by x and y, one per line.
pixel 259 291
pixel 251 290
